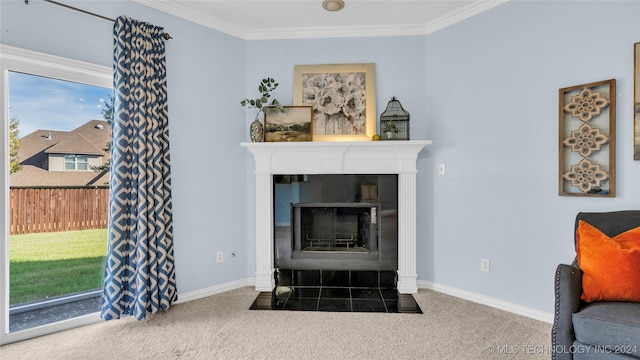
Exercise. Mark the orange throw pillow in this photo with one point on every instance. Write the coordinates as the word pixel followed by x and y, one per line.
pixel 610 266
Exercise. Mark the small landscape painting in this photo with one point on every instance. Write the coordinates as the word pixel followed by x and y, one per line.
pixel 292 124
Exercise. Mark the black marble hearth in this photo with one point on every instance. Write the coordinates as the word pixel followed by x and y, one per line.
pixel 336 291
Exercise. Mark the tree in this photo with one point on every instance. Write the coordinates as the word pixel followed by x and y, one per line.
pixel 14 144
pixel 107 112
pixel 107 115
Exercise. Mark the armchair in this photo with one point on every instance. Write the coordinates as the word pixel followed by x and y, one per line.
pixel 598 329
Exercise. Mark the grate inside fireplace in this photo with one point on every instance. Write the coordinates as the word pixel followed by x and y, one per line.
pixel 342 227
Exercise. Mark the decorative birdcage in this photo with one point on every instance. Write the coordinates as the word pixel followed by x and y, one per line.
pixel 394 121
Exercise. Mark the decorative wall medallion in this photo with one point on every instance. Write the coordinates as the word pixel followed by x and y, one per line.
pixel 586 105
pixel 587 139
pixel 586 176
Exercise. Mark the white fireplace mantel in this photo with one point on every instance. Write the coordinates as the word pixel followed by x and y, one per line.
pixel 361 157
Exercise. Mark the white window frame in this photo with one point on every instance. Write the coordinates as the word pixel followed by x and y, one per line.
pixel 36 63
pixel 76 162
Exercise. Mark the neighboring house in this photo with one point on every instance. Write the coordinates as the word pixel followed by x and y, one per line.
pixel 64 158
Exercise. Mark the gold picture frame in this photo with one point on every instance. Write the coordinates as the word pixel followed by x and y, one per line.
pixel 343 99
pixel 293 123
pixel 636 102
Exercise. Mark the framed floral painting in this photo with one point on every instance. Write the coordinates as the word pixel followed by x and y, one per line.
pixel 342 97
pixel 636 105
pixel 587 139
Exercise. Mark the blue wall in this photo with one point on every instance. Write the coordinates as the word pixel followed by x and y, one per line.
pixel 485 90
pixel 492 93
pixel 205 82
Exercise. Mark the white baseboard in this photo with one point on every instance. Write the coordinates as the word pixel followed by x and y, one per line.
pixel 214 290
pixel 489 301
pixel 422 284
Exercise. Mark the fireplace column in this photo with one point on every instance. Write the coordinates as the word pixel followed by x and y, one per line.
pixel 264 222
pixel 407 275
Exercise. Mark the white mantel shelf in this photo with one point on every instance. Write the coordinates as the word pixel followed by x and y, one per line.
pixel 358 157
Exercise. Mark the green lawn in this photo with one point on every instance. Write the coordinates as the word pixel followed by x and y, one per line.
pixel 50 264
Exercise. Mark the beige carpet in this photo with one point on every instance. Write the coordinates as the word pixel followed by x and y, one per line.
pixel 222 327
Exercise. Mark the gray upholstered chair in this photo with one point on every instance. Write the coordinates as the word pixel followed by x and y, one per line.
pixel 597 330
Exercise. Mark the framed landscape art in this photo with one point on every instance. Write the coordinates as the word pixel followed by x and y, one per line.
pixel 342 97
pixel 293 123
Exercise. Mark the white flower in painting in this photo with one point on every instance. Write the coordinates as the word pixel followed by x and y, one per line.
pixel 355 105
pixel 355 81
pixel 315 80
pixel 330 102
pixel 313 88
pixel 310 95
pixel 343 89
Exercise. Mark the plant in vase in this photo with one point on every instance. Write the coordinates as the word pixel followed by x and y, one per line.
pixel 261 103
pixel 389 129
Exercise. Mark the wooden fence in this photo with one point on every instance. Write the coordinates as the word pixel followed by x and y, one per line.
pixel 36 210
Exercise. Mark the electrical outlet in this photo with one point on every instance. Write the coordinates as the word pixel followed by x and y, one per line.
pixel 484 265
pixel 219 257
pixel 442 169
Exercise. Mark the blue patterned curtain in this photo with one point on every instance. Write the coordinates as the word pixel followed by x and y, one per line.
pixel 140 276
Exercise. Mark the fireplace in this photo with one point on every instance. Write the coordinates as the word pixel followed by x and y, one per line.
pixel 384 158
pixel 336 222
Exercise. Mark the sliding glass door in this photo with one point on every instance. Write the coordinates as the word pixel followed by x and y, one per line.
pixel 56 136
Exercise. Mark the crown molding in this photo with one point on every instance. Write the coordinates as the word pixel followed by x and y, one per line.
pixel 461 14
pixel 175 9
pixel 181 11
pixel 334 32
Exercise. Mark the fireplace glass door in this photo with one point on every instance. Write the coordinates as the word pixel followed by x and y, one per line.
pixel 336 222
pixel 343 227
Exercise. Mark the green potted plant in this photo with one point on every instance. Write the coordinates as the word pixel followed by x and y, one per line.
pixel 260 104
pixel 389 128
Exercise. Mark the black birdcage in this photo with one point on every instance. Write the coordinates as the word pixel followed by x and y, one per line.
pixel 394 121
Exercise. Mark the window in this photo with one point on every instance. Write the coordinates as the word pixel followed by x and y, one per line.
pixel 18 60
pixel 76 162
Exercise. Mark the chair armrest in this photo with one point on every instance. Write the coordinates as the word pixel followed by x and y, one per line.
pixel 568 289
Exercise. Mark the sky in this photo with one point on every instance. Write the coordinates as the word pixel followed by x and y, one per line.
pixel 42 103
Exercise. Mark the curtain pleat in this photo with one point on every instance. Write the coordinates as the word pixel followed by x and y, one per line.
pixel 140 274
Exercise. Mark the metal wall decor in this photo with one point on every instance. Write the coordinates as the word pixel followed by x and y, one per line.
pixel 587 139
pixel 394 121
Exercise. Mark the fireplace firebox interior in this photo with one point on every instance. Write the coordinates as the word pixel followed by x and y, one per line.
pixel 336 222
pixel 348 227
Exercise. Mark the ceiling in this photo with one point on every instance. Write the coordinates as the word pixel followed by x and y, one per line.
pixel 298 19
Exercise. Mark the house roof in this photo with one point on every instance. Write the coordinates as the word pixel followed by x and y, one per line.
pixel 88 139
pixel 33 176
pixel 74 144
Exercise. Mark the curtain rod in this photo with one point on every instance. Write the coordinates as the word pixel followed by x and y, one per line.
pixel 165 35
